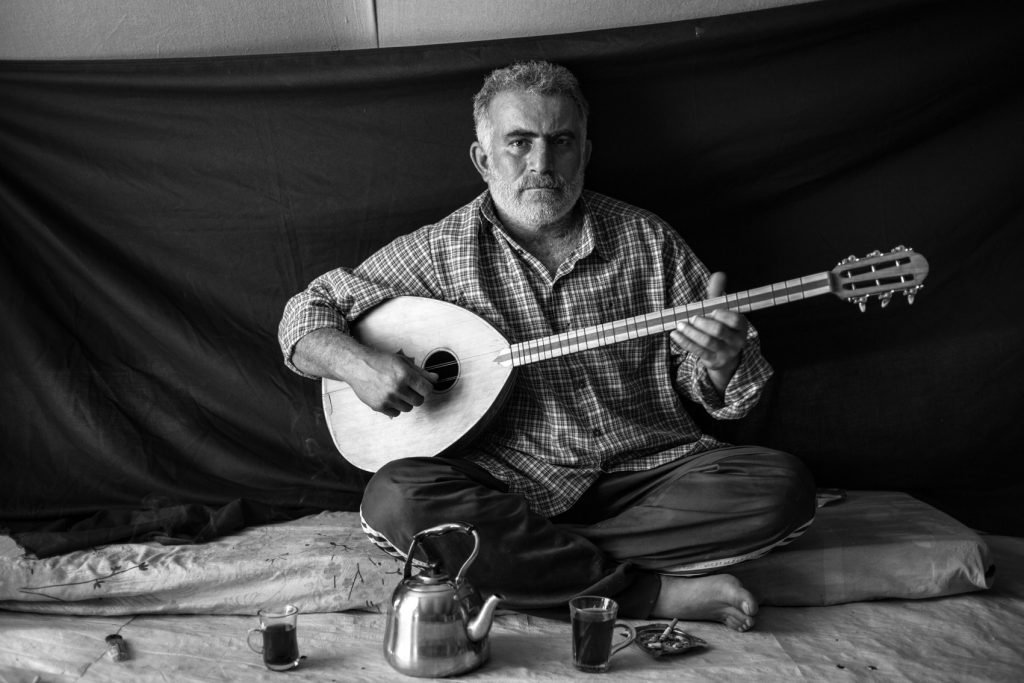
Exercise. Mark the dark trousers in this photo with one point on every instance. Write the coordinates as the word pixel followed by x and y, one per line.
pixel 693 516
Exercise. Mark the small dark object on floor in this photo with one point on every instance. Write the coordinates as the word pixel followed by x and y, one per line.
pixel 665 640
pixel 117 648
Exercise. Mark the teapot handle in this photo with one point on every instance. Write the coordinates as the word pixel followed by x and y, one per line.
pixel 440 530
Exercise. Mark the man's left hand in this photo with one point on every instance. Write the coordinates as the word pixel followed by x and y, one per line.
pixel 716 339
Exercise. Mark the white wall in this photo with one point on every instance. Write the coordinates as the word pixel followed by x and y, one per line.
pixel 423 22
pixel 96 29
pixel 99 29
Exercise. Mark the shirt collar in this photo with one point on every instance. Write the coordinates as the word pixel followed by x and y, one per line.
pixel 594 238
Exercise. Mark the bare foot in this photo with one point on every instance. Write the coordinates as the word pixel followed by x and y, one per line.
pixel 717 597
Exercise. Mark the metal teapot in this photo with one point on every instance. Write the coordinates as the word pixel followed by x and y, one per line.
pixel 436 626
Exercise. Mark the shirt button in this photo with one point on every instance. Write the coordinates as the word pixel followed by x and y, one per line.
pixel 597 431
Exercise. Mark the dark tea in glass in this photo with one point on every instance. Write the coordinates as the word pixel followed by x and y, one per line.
pixel 280 646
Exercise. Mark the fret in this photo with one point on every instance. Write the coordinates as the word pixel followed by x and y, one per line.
pixel 573 341
pixel 649 328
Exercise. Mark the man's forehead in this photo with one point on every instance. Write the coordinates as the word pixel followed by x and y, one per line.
pixel 515 109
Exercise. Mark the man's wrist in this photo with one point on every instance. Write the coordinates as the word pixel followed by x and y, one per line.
pixel 721 377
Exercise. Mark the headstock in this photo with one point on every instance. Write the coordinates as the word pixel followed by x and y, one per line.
pixel 879 275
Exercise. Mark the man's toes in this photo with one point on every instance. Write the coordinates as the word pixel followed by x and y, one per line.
pixel 737 621
pixel 741 625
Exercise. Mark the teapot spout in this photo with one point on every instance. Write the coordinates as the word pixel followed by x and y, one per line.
pixel 478 628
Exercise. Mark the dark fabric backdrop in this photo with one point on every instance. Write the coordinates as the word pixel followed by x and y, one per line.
pixel 155 215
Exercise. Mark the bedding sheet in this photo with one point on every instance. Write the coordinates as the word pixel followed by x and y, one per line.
pixel 322 563
pixel 957 639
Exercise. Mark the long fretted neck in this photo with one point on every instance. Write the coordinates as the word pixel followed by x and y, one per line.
pixel 647 324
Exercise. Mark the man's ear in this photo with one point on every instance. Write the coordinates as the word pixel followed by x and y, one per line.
pixel 478 155
pixel 587 149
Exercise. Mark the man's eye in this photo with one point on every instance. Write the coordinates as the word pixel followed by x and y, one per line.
pixel 518 144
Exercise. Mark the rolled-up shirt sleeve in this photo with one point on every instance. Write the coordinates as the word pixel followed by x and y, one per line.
pixel 337 298
pixel 744 388
pixel 328 301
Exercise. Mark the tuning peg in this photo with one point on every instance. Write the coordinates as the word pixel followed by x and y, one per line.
pixel 912 292
pixel 909 294
pixel 884 299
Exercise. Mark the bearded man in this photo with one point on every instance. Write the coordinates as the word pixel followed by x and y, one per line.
pixel 594 479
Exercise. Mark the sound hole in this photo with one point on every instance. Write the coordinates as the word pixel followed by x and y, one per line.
pixel 446 365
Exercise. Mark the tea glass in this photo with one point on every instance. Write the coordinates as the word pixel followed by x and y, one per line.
pixel 593 628
pixel 279 646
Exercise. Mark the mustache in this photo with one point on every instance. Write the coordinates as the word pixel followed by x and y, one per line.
pixel 543 183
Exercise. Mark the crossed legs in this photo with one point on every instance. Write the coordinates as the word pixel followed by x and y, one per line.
pixel 658 541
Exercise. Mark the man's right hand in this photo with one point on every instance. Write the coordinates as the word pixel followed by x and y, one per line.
pixel 389 383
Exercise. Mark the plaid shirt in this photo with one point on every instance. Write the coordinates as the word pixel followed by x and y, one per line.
pixel 568 419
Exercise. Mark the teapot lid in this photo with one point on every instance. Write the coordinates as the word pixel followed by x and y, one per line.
pixel 432 575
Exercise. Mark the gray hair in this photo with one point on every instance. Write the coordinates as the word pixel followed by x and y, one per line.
pixel 536 77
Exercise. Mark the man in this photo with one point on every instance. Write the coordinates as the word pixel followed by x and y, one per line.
pixel 594 479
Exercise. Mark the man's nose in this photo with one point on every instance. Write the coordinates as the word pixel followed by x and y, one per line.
pixel 541 156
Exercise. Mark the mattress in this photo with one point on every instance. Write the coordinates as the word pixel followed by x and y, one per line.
pixel 952 610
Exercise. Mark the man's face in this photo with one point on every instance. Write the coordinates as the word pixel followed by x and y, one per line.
pixel 533 158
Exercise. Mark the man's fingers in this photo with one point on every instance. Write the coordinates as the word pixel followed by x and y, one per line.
pixel 708 339
pixel 722 324
pixel 705 328
pixel 396 405
pixel 692 339
pixel 694 334
pixel 726 317
pixel 427 381
pixel 412 393
pixel 422 385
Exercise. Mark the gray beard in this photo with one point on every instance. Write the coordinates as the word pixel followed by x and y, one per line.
pixel 510 201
